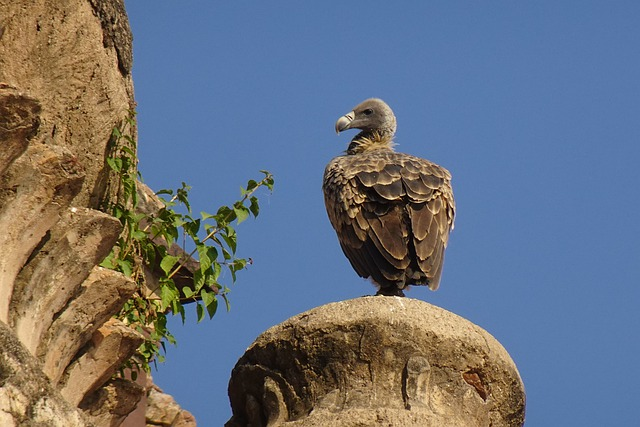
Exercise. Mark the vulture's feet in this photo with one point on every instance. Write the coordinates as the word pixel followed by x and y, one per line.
pixel 390 292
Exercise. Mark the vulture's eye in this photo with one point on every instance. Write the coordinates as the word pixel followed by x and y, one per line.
pixel 368 112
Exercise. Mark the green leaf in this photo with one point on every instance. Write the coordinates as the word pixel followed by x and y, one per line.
pixel 226 300
pixel 224 216
pixel 183 196
pixel 254 207
pixel 251 185
pixel 241 212
pixel 199 278
pixel 199 312
pixel 115 164
pixel 225 254
pixel 236 265
pixel 210 301
pixel 125 267
pixel 205 216
pixel 187 291
pixel 166 191
pixel 207 297
pixel 239 264
pixel 183 316
pixel 175 304
pixel 139 217
pixel 231 238
pixel 168 262
pixel 268 179
pixel 192 227
pixel 177 221
pixel 168 294
pixel 204 256
pixel 217 268
pixel 128 150
pixel 213 253
pixel 108 261
pixel 138 235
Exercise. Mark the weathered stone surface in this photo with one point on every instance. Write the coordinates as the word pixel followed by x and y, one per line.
pixel 34 192
pixel 76 243
pixel 163 411
pixel 26 397
pixel 376 361
pixel 185 419
pixel 110 405
pixel 74 57
pixel 116 31
pixel 101 296
pixel 19 122
pixel 111 345
pixel 65 83
pixel 137 418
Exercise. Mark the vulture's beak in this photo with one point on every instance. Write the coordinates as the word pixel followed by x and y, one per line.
pixel 344 122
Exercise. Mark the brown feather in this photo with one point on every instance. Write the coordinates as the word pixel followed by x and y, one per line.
pixel 390 237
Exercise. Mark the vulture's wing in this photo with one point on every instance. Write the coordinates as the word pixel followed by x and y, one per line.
pixel 392 213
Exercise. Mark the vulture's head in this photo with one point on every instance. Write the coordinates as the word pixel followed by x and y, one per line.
pixel 372 115
pixel 376 122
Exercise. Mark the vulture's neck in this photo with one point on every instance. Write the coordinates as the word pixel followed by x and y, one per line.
pixel 371 140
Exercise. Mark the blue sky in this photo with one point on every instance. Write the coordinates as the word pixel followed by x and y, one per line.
pixel 533 106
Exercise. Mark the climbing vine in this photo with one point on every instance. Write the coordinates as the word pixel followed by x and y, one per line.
pixel 147 250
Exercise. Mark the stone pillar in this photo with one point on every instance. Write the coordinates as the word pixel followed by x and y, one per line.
pixel 376 360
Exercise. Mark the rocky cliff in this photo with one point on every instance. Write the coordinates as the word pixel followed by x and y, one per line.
pixel 65 83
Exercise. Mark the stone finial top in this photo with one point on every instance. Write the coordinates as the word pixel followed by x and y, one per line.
pixel 376 359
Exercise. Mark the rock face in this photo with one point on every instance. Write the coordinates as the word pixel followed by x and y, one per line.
pixel 72 60
pixel 65 83
pixel 26 396
pixel 376 361
pixel 163 411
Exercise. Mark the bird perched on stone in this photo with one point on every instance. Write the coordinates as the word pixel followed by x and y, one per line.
pixel 392 212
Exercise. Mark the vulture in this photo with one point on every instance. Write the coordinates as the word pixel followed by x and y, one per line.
pixel 392 212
